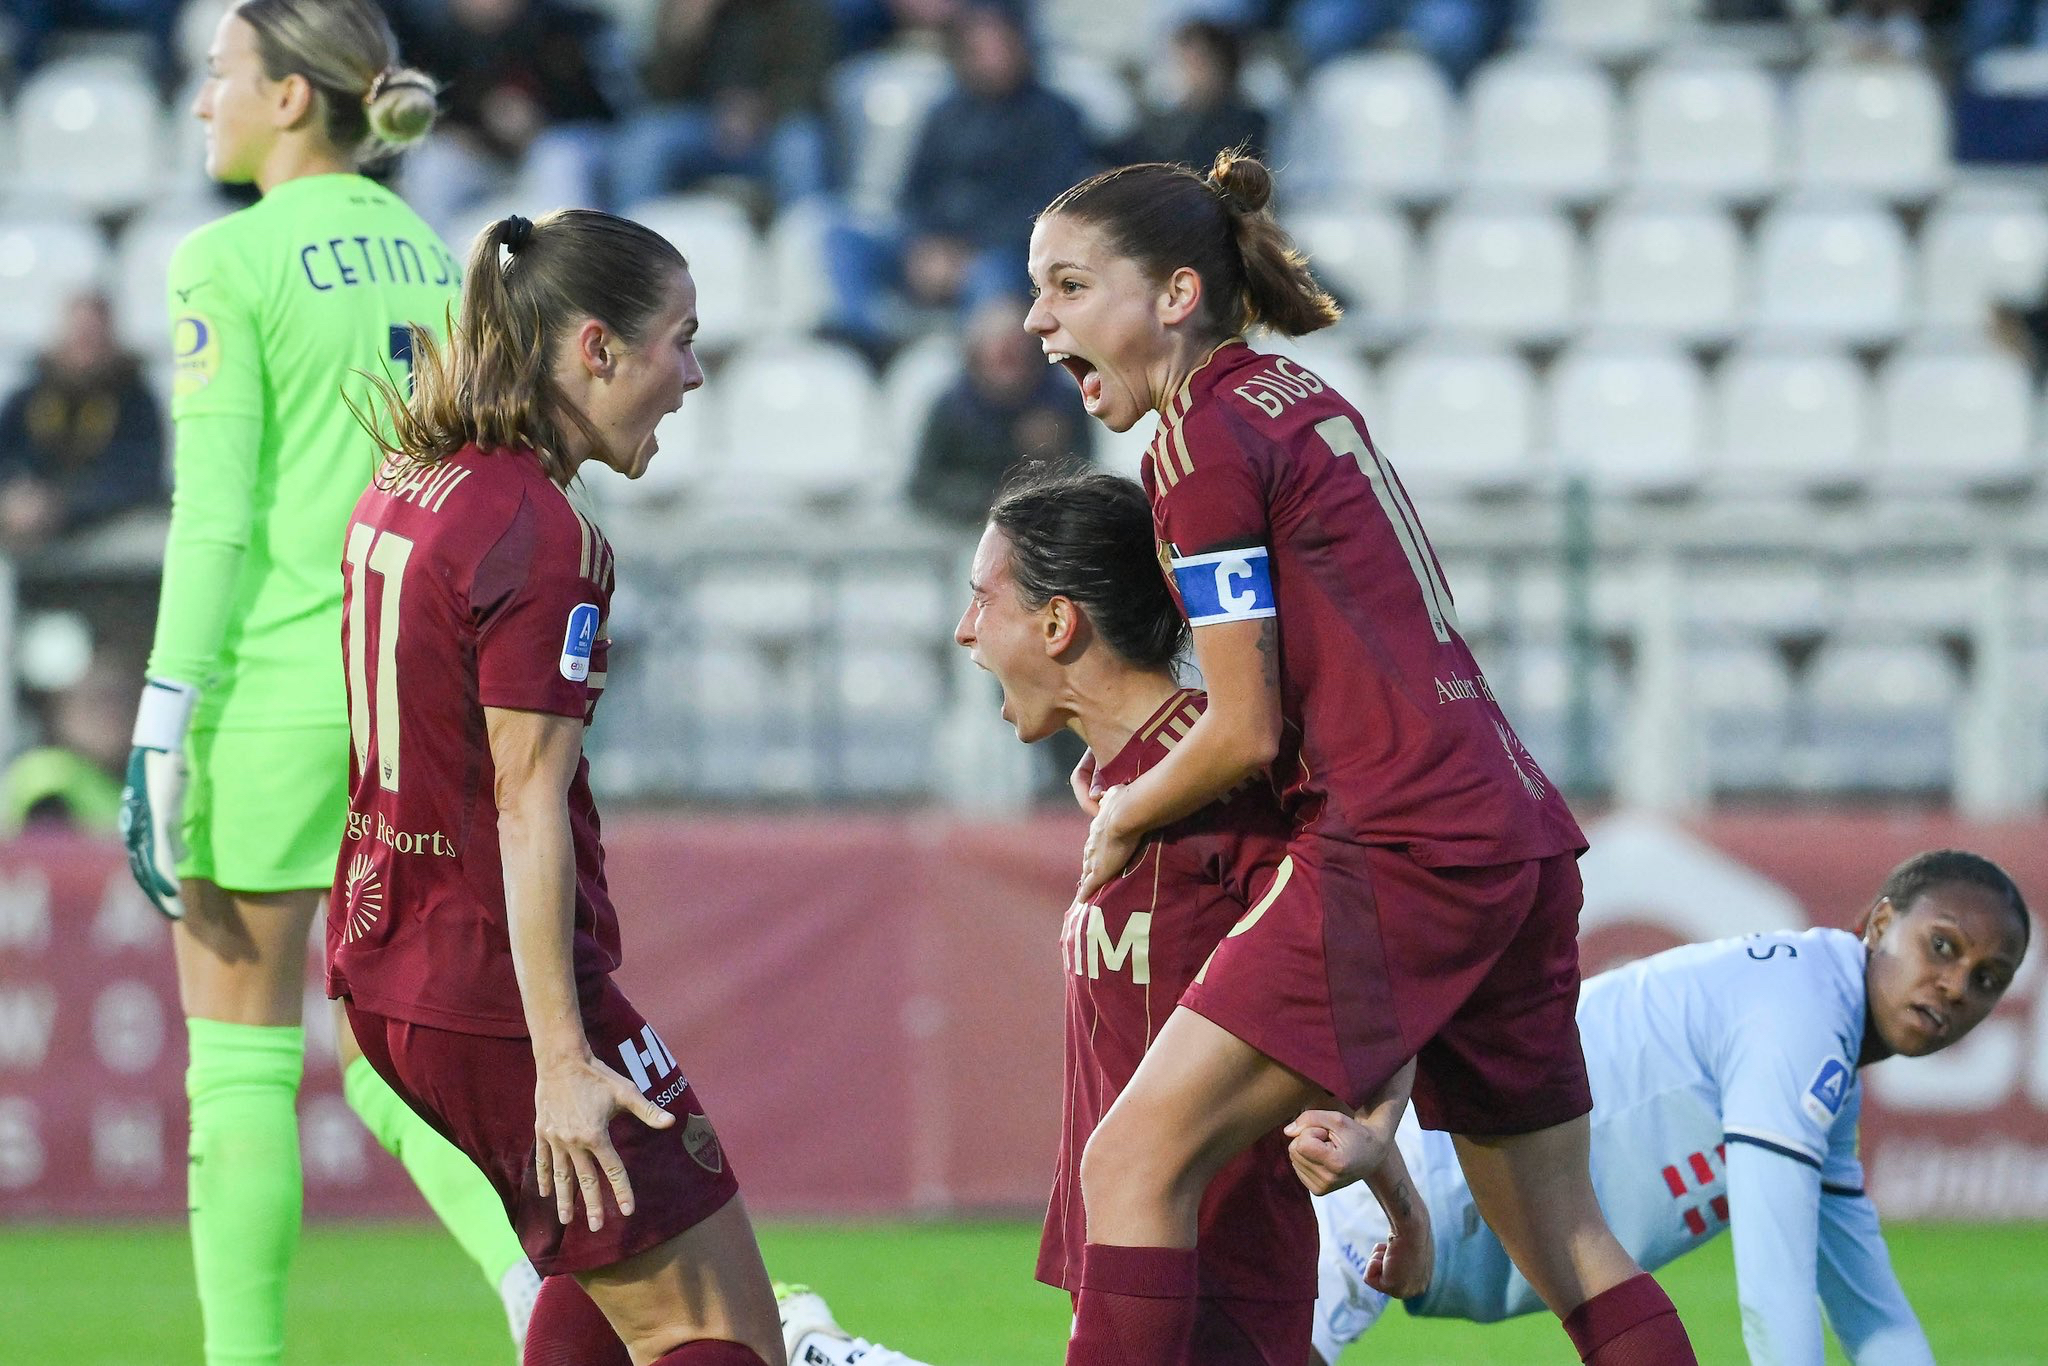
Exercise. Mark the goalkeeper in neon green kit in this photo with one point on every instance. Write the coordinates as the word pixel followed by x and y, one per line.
pixel 237 784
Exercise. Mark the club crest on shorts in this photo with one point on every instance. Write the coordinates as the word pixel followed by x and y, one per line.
pixel 578 642
pixel 700 1140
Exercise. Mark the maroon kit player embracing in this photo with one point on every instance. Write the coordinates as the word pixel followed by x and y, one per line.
pixel 1071 616
pixel 470 932
pixel 1427 908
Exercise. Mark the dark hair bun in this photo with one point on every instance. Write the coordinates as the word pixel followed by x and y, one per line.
pixel 1243 180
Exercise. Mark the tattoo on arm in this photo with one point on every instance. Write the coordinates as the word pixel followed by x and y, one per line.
pixel 1269 650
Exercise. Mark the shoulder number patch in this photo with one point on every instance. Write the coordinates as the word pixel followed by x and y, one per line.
pixel 1225 585
pixel 1826 1092
pixel 578 641
pixel 195 353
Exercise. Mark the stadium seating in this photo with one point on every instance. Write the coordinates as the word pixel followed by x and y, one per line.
pixel 1458 416
pixel 1832 268
pixel 1332 361
pixel 1874 127
pixel 916 377
pixel 1611 29
pixel 1706 124
pixel 1951 416
pixel 726 262
pixel 800 288
pixel 1106 103
pixel 1368 258
pixel 1978 250
pixel 1791 418
pixel 1504 270
pixel 810 426
pixel 89 132
pixel 1543 124
pixel 141 266
pixel 1669 268
pixel 44 261
pixel 879 100
pixel 1628 414
pixel 1882 716
pixel 1381 123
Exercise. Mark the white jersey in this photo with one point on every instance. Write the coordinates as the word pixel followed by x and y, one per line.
pixel 1724 1091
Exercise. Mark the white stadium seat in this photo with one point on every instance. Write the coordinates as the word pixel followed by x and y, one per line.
pixel 1605 28
pixel 726 262
pixel 1831 269
pixel 1877 127
pixel 1545 124
pixel 1368 258
pixel 1978 252
pixel 1457 416
pixel 916 376
pixel 1672 269
pixel 1955 417
pixel 1504 272
pixel 1707 126
pixel 1375 124
pixel 1630 415
pixel 89 132
pixel 879 101
pixel 1105 101
pixel 802 288
pixel 142 261
pixel 806 425
pixel 43 263
pixel 1792 417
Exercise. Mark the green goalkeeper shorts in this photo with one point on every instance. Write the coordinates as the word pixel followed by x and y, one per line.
pixel 264 809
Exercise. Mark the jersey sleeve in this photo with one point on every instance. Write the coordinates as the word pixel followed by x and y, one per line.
pixel 1210 507
pixel 1784 1071
pixel 216 330
pixel 537 618
pixel 1865 1303
pixel 1774 1222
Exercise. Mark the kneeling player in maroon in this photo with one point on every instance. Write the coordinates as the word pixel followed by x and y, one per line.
pixel 1070 615
pixel 470 932
pixel 1430 909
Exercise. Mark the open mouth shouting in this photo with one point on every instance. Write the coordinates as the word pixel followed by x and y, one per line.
pixel 1085 374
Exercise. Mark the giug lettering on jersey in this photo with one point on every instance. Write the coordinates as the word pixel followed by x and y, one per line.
pixel 1274 389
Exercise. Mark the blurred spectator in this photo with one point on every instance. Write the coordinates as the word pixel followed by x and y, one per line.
pixel 527 106
pixel 865 24
pixel 1007 408
pixel 35 22
pixel 991 154
pixel 2002 96
pixel 738 88
pixel 1209 111
pixel 1455 34
pixel 1885 30
pixel 73 779
pixel 82 439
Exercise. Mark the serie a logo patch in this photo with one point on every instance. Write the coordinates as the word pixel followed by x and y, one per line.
pixel 579 641
pixel 1828 1089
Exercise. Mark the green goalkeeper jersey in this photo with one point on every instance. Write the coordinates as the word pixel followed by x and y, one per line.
pixel 274 309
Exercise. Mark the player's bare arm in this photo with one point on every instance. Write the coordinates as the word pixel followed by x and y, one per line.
pixel 575 1096
pixel 1235 739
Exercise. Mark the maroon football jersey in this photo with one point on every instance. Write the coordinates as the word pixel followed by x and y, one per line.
pixel 1269 500
pixel 1129 953
pixel 472 583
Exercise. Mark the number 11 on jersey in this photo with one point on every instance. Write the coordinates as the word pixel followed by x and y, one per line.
pixel 375 734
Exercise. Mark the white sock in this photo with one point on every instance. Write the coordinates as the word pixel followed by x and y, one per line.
pixel 519 1287
pixel 816 1349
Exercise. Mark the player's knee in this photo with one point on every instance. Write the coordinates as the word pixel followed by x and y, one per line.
pixel 1126 1161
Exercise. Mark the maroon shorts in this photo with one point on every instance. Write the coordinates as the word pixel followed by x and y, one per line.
pixel 477 1092
pixel 1231 1332
pixel 1357 958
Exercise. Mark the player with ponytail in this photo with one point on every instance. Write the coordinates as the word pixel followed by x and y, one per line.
pixel 1426 912
pixel 236 794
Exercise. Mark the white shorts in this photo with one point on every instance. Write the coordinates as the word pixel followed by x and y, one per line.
pixel 1351 1223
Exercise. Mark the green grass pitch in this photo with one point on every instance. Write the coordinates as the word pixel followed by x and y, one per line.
pixel 954 1294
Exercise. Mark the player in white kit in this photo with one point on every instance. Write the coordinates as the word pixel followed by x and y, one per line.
pixel 1725 1095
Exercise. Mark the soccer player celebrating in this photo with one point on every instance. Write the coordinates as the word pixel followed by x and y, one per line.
pixel 273 308
pixel 1725 1096
pixel 470 931
pixel 1427 908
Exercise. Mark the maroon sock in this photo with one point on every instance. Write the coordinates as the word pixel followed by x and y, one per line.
pixel 1136 1306
pixel 710 1352
pixel 568 1329
pixel 1631 1324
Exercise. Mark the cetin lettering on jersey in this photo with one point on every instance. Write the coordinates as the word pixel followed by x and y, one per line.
pixel 1088 944
pixel 365 260
pixel 1277 387
pixel 364 825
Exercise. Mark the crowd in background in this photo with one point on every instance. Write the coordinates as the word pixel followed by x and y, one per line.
pixel 558 102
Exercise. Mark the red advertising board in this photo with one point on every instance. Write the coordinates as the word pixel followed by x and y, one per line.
pixel 870 1007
